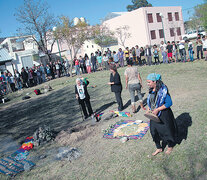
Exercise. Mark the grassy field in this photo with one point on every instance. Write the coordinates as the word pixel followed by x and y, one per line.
pixel 110 159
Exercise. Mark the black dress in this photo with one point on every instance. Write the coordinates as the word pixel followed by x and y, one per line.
pixel 166 130
pixel 117 89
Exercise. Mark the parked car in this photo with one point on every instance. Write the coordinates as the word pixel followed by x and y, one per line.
pixel 193 34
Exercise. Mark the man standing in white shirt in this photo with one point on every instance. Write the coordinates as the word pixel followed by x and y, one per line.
pixel 182 50
pixel 164 52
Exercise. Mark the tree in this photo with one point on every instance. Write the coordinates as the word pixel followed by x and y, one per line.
pixel 201 13
pixel 103 36
pixel 122 34
pixel 193 24
pixel 138 4
pixel 73 35
pixel 36 21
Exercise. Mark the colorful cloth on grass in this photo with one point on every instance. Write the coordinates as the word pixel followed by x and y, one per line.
pixel 10 166
pixel 99 115
pixel 122 114
pixel 128 128
pixel 14 164
pixel 23 151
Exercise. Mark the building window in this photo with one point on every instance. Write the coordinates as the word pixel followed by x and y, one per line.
pixel 153 35
pixel 150 18
pixel 159 18
pixel 92 46
pixel 87 46
pixel 172 33
pixel 178 31
pixel 176 16
pixel 169 16
pixel 161 33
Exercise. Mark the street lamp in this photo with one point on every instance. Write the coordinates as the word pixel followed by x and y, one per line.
pixel 54 29
pixel 161 15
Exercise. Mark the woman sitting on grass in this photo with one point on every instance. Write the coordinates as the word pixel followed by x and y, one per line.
pixel 159 102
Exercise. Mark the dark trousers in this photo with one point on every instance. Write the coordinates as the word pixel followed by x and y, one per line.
pixel 86 103
pixel 94 67
pixel 119 100
pixel 139 60
pixel 82 69
pixel 12 85
pixel 156 60
pixel 127 60
pixel 199 49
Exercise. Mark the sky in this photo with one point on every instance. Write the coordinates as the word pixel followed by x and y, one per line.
pixel 92 10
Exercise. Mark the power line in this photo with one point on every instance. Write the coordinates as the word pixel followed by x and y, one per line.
pixel 187 9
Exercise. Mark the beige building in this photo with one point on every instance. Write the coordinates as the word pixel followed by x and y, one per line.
pixel 150 25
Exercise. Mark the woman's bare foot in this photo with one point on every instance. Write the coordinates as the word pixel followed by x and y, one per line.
pixel 169 150
pixel 157 152
pixel 142 106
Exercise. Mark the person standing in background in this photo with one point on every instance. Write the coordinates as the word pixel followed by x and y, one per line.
pixel 204 41
pixel 116 86
pixel 199 48
pixel 121 57
pixel 93 61
pixel 137 50
pixel 148 55
pixel 190 50
pixel 163 51
pixel 126 54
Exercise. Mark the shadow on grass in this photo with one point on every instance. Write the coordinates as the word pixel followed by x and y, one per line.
pixel 104 107
pixel 183 121
pixel 58 109
pixel 193 168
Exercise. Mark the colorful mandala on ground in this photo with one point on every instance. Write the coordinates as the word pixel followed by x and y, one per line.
pixel 128 128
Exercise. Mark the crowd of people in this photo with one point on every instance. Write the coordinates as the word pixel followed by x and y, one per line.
pixel 29 77
pixel 180 51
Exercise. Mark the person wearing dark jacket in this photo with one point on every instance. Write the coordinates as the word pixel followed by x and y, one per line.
pixel 93 61
pixel 83 97
pixel 24 76
pixel 116 86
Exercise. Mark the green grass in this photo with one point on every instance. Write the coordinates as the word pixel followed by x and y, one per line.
pixel 111 159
